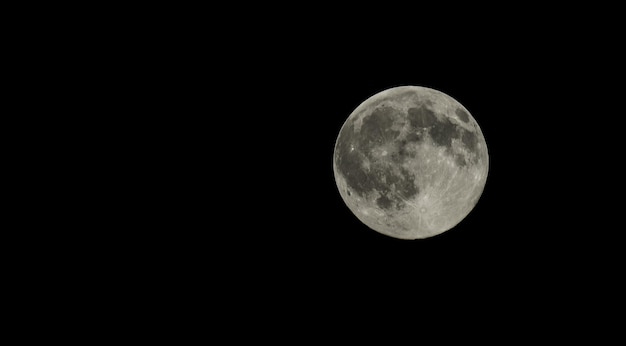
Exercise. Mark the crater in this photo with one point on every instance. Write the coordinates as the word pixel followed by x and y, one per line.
pixel 459 159
pixel 384 202
pixel 462 114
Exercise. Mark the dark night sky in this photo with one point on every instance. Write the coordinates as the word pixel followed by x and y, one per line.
pixel 284 103
pixel 210 201
pixel 520 233
pixel 259 209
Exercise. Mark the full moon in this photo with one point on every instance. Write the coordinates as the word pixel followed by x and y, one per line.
pixel 410 162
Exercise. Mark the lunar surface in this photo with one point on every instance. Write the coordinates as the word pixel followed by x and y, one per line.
pixel 410 162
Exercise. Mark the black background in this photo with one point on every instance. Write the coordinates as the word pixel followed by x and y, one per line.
pixel 179 162
pixel 534 242
pixel 231 197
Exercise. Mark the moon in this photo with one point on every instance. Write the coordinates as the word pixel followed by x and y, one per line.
pixel 410 162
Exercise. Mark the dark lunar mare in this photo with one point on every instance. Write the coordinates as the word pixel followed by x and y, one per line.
pixel 470 140
pixel 392 184
pixel 413 137
pixel 421 117
pixel 350 162
pixel 442 131
pixel 377 128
